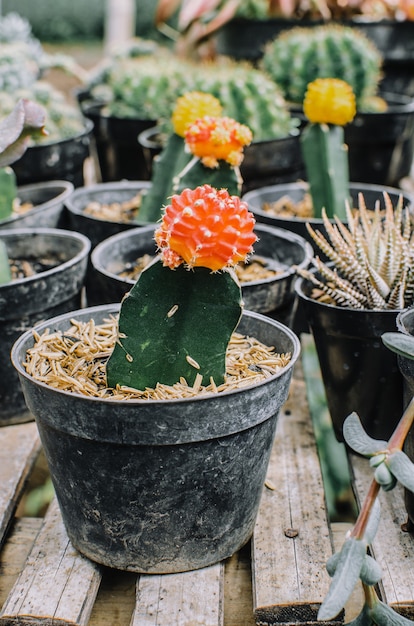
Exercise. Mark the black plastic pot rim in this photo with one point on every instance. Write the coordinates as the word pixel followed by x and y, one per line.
pixel 88 127
pixel 98 188
pixel 59 233
pixel 401 317
pixel 273 230
pixel 64 189
pixel 304 186
pixel 113 309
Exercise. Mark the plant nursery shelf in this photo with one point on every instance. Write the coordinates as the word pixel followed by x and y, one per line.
pixel 278 578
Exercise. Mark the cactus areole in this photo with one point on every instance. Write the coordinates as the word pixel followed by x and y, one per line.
pixel 177 320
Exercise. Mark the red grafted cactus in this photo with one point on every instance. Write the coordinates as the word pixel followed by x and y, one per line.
pixel 206 227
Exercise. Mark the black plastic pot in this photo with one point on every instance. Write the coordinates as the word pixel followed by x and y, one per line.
pixel 58 160
pixel 96 229
pixel 116 139
pixel 159 486
pixel 265 162
pixel 359 373
pixel 296 191
pixel 272 296
pixel 26 301
pixel 47 198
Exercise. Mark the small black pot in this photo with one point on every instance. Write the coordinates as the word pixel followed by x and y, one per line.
pixel 58 160
pixel 95 229
pixel 25 302
pixel 296 191
pixel 359 373
pixel 47 199
pixel 272 296
pixel 116 139
pixel 159 486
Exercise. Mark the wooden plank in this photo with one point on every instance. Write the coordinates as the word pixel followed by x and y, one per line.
pixel 292 539
pixel 238 600
pixel 194 598
pixel 57 584
pixel 392 548
pixel 19 449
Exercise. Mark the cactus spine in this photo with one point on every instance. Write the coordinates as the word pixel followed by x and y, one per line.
pixel 177 323
pixel 301 55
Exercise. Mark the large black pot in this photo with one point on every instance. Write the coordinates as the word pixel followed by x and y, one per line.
pixel 359 373
pixel 159 486
pixel 57 160
pixel 116 139
pixel 26 301
pixel 47 199
pixel 296 191
pixel 272 296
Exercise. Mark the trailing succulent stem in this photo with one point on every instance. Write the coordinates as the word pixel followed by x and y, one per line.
pixel 177 320
pixel 352 563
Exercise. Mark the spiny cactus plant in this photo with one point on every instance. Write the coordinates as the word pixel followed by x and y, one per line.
pixel 353 563
pixel 329 104
pixel 373 259
pixel 301 55
pixel 147 87
pixel 202 149
pixel 178 318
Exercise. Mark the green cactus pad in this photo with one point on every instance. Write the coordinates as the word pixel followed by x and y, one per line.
pixel 173 324
pixel 8 191
pixel 326 160
pixel 5 273
pixel 224 176
pixel 171 161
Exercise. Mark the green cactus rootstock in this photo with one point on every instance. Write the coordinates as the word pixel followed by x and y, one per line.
pixel 173 324
pixel 8 191
pixel 169 164
pixel 5 273
pixel 326 160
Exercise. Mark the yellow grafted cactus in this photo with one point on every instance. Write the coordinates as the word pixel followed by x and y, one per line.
pixel 329 104
pixel 192 106
pixel 329 101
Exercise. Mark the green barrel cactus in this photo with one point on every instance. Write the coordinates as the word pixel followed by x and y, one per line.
pixel 301 55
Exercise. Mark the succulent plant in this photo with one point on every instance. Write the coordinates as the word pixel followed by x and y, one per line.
pixel 26 118
pixel 147 87
pixel 329 104
pixel 301 55
pixel 201 149
pixel 204 232
pixel 372 259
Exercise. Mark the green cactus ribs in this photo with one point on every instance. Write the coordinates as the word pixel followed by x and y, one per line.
pixel 173 324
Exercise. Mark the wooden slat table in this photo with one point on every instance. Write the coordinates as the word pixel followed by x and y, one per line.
pixel 278 578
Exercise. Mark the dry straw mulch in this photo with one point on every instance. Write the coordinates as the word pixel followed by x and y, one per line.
pixel 75 361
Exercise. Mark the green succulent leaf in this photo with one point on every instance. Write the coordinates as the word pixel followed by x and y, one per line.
pixel 363 619
pixel 371 572
pixel 332 563
pixel 357 439
pixel 347 572
pixel 384 615
pixel 373 522
pixel 402 468
pixel 384 477
pixel 400 343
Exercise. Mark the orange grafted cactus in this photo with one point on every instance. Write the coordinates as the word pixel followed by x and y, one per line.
pixel 218 138
pixel 206 227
